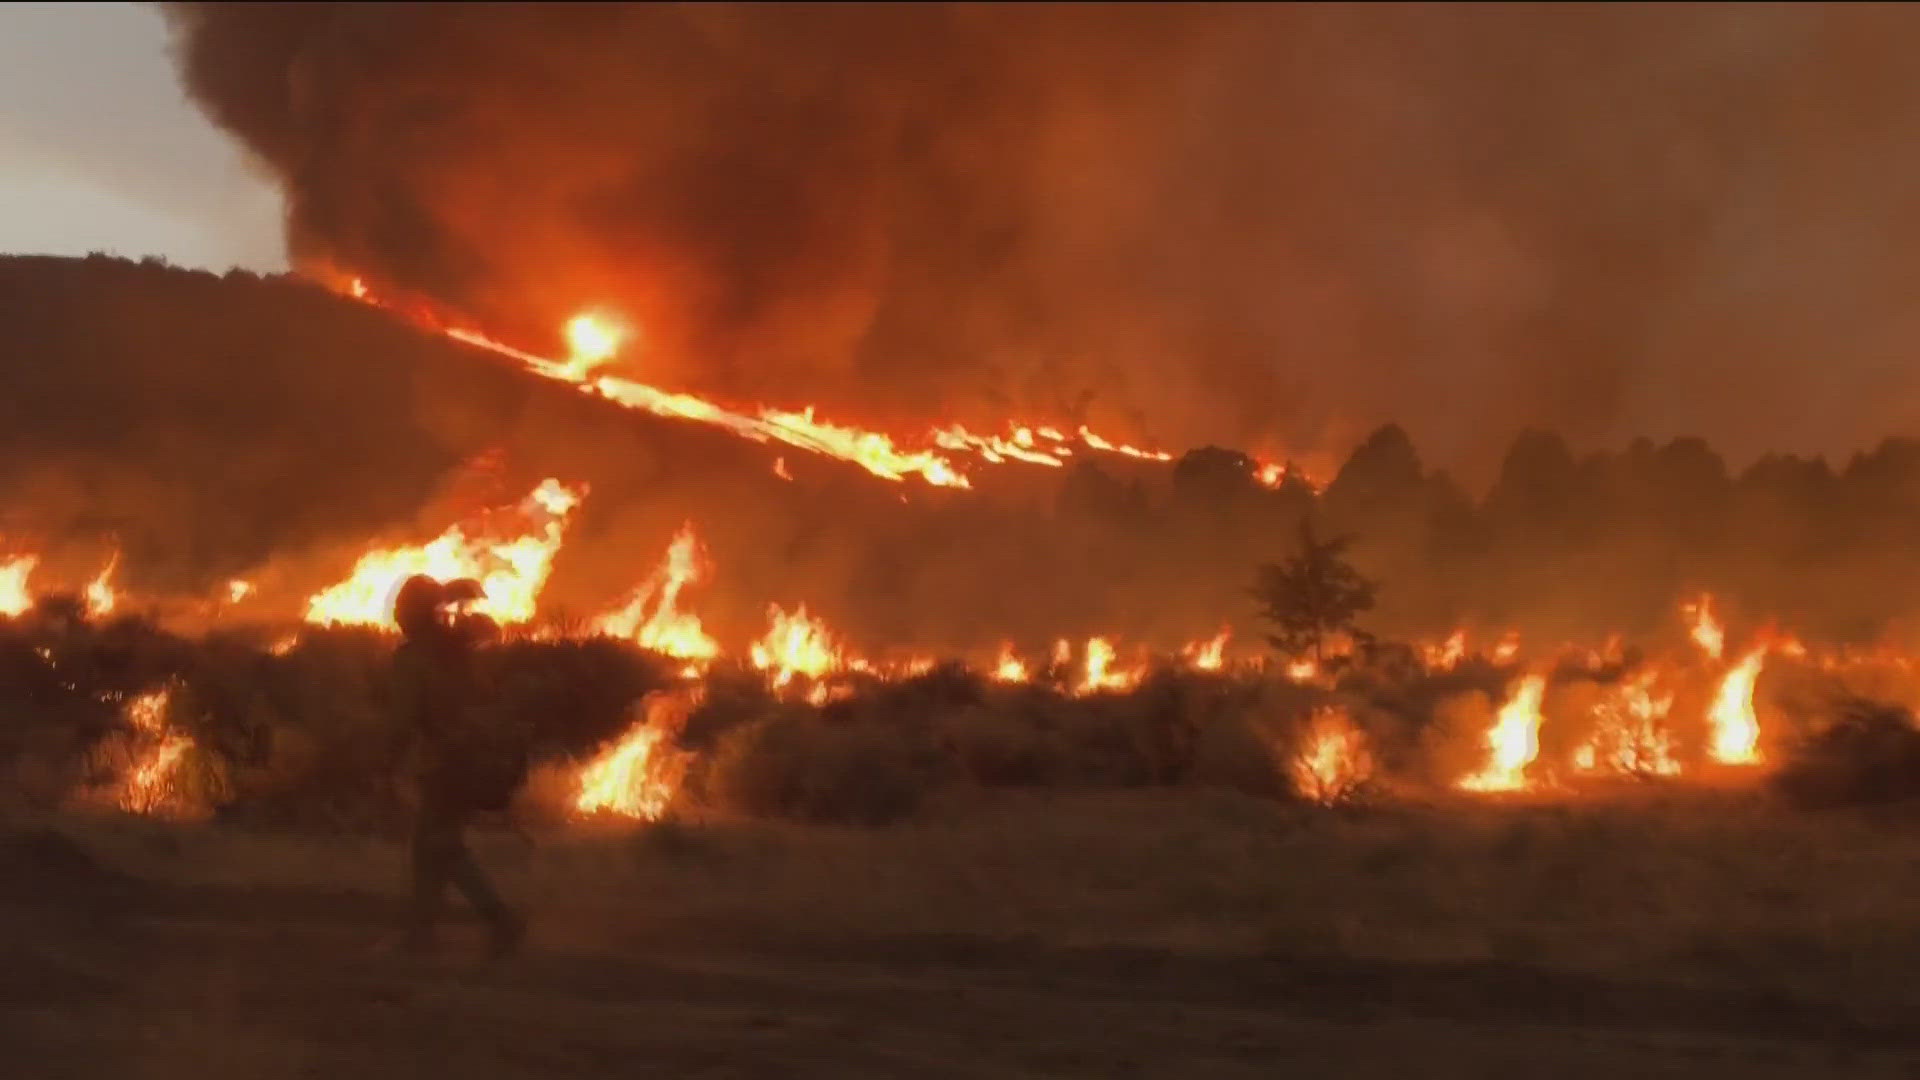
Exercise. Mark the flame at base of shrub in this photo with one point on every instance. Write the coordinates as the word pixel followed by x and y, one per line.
pixel 152 780
pixel 1514 741
pixel 1333 761
pixel 639 776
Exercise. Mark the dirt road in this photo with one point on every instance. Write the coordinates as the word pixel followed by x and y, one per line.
pixel 106 975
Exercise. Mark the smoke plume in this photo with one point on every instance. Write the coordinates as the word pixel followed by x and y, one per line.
pixel 1263 225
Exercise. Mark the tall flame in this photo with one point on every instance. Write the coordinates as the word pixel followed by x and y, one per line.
pixel 14 572
pixel 1334 759
pixel 100 596
pixel 511 566
pixel 639 775
pixel 147 787
pixel 1735 726
pixel 1009 667
pixel 1099 672
pixel 1209 655
pixel 795 644
pixel 1514 740
pixel 1706 630
pixel 1630 735
pixel 652 618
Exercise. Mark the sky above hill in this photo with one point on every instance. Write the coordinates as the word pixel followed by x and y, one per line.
pixel 100 149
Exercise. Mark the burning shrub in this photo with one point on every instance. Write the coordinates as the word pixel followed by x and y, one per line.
pixel 1870 753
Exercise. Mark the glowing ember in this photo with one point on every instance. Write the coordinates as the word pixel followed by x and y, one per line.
pixel 1333 761
pixel 780 468
pixel 1209 655
pixel 1303 671
pixel 639 775
pixel 652 618
pixel 511 566
pixel 1705 629
pixel 1736 728
pixel 1514 740
pixel 238 590
pixel 99 595
pixel 14 597
pixel 1630 735
pixel 1009 668
pixel 794 645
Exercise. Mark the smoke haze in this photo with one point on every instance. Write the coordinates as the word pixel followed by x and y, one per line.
pixel 1269 226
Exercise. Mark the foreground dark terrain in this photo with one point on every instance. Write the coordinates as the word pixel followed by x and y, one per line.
pixel 1134 934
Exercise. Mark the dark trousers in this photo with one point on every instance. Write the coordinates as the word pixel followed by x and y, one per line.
pixel 440 858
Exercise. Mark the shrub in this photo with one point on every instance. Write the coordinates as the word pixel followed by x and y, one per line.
pixel 1870 753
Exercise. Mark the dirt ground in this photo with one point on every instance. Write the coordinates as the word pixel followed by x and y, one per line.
pixel 1131 936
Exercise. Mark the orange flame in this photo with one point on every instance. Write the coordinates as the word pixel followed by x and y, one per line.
pixel 594 338
pixel 146 788
pixel 1100 673
pixel 1009 668
pixel 1209 655
pixel 99 595
pixel 238 590
pixel 511 568
pixel 1631 735
pixel 1736 728
pixel 652 618
pixel 639 776
pixel 1334 760
pixel 1508 648
pixel 1449 652
pixel 14 572
pixel 794 645
pixel 1514 740
pixel 1707 632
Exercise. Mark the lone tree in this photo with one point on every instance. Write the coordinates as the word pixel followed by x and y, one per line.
pixel 1311 595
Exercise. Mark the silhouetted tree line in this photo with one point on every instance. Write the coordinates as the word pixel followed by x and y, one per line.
pixel 211 425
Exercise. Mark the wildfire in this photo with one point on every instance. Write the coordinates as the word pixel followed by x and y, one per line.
pixel 147 786
pixel 1099 672
pixel 1736 728
pixel 1209 655
pixel 1631 735
pixel 1508 649
pixel 652 618
pixel 1514 740
pixel 1009 667
pixel 1707 632
pixel 595 338
pixel 14 572
pixel 100 597
pixel 639 776
pixel 794 645
pixel 511 566
pixel 592 340
pixel 1334 760
pixel 1449 652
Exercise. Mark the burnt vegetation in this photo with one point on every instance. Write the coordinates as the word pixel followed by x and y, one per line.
pixel 341 424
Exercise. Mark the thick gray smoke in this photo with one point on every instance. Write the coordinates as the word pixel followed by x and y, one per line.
pixel 1269 226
